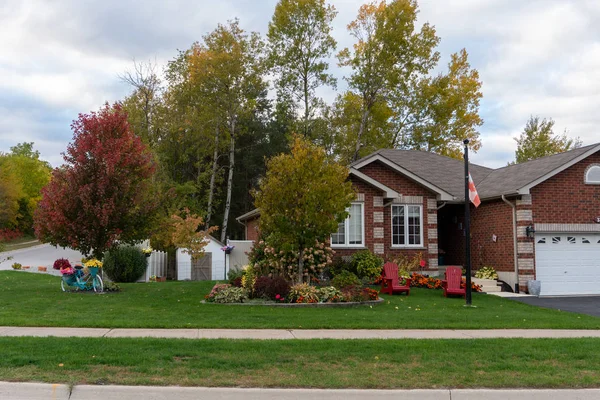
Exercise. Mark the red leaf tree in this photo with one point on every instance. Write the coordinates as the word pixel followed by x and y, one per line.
pixel 103 192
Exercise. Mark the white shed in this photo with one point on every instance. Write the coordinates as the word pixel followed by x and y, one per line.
pixel 209 267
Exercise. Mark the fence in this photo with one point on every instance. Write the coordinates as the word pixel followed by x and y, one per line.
pixel 157 266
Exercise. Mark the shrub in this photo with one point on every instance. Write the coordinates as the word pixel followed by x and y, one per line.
pixel 61 263
pixel 233 275
pixel 370 294
pixel 344 279
pixel 124 264
pixel 231 295
pixel 216 289
pixel 261 285
pixel 7 235
pixel 329 294
pixel 340 265
pixel 428 282
pixel 110 286
pixel 352 293
pixel 16 266
pixel 268 260
pixel 249 279
pixel 486 273
pixel 367 264
pixel 408 264
pixel 303 293
pixel 279 287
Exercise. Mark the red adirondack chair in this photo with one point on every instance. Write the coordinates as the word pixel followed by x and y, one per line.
pixel 391 283
pixel 451 284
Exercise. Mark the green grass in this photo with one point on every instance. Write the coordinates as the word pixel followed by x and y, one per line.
pixel 36 300
pixel 491 363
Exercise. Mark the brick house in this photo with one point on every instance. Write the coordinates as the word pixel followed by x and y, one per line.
pixel 537 220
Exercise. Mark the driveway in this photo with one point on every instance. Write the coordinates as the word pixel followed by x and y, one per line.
pixel 38 256
pixel 589 305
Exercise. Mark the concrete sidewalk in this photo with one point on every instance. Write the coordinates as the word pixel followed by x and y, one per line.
pixel 299 333
pixel 34 391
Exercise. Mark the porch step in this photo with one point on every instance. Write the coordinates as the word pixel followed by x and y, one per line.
pixel 487 285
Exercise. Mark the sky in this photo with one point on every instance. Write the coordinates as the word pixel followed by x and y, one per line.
pixel 60 58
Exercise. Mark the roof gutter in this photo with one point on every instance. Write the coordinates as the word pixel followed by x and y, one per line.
pixel 516 259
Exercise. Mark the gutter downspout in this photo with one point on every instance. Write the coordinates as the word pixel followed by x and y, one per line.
pixel 514 213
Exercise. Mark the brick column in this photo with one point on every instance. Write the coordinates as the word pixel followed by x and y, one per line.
pixel 432 234
pixel 378 231
pixel 525 246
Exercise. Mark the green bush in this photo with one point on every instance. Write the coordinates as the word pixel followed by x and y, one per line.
pixel 124 264
pixel 338 266
pixel 234 276
pixel 231 295
pixel 367 264
pixel 329 294
pixel 344 279
pixel 303 293
pixel 486 273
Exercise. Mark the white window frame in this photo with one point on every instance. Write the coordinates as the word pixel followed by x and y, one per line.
pixel 405 246
pixel 586 179
pixel 346 244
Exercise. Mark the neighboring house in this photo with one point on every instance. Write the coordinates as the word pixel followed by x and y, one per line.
pixel 537 220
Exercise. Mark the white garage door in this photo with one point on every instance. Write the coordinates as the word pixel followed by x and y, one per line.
pixel 568 263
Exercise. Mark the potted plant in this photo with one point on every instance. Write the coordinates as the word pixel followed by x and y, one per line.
pixel 147 251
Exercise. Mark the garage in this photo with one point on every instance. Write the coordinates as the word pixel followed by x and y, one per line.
pixel 568 263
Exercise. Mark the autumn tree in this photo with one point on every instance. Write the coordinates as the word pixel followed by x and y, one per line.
pixel 539 140
pixel 228 66
pixel 187 234
pixel 32 174
pixel 303 197
pixel 391 63
pixel 102 194
pixel 300 43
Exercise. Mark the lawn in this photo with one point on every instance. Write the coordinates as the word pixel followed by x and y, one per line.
pixel 491 363
pixel 28 299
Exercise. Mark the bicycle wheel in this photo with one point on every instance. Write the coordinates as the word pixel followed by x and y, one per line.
pixel 63 285
pixel 97 284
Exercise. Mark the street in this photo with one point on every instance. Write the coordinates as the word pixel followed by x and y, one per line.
pixel 43 255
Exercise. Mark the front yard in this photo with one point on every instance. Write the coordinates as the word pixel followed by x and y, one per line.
pixel 498 363
pixel 28 299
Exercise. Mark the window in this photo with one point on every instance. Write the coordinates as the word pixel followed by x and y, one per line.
pixel 407 223
pixel 592 175
pixel 350 233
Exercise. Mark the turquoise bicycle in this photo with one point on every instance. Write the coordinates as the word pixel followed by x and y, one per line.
pixel 81 280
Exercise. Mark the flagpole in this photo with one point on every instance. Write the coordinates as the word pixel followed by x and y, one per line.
pixel 467 226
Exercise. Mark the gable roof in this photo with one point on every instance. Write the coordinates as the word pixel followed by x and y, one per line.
pixel 442 175
pixel 446 175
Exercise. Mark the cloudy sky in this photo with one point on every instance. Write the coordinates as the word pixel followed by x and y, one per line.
pixel 59 58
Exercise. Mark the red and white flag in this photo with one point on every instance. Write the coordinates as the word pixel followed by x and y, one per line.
pixel 473 196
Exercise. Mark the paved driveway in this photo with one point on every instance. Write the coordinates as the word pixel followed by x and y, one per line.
pixel 579 304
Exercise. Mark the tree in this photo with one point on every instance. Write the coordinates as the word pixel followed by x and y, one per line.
pixel 187 235
pixel 539 140
pixel 391 64
pixel 229 67
pixel 303 197
pixel 388 53
pixel 300 42
pixel 102 194
pixel 11 191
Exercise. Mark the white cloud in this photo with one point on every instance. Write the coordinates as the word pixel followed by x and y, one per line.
pixel 60 58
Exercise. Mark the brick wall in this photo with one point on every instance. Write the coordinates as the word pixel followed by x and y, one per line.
pixel 565 199
pixel 492 218
pixel 378 233
pixel 252 229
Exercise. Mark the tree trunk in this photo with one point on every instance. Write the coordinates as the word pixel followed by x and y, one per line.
pixel 229 181
pixel 361 129
pixel 212 177
pixel 306 111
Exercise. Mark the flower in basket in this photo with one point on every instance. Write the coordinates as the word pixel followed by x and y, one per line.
pixel 227 249
pixel 147 251
pixel 93 263
pixel 67 270
pixel 61 264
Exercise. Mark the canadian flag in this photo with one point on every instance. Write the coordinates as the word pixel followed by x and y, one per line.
pixel 473 196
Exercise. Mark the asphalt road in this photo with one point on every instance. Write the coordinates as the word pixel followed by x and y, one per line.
pixel 589 305
pixel 43 255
